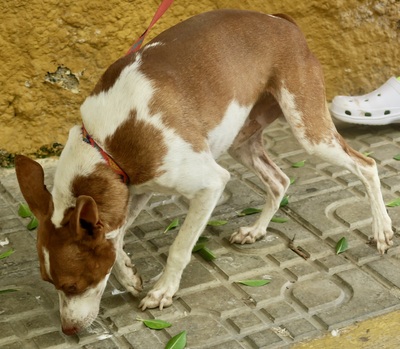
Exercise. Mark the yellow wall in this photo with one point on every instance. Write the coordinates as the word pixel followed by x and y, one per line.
pixel 356 41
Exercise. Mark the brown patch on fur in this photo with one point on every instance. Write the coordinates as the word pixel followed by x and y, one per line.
pixel 139 148
pixel 109 193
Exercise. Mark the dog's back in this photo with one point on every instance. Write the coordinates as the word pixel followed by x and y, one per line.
pixel 199 80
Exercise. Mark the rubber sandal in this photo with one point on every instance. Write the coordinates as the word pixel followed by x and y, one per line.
pixel 380 107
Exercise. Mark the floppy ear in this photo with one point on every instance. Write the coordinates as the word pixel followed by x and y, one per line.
pixel 30 177
pixel 85 220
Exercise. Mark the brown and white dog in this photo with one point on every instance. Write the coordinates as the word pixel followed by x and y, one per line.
pixel 205 86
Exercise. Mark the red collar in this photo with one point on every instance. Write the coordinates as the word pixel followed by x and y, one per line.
pixel 109 160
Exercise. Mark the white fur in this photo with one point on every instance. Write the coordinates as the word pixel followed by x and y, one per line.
pixel 154 44
pixel 287 102
pixel 77 158
pixel 222 136
pixel 186 171
pixel 47 262
pixel 79 311
pixel 102 114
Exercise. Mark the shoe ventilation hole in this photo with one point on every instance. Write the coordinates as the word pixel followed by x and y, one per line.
pixel 387 112
pixel 347 112
pixel 368 114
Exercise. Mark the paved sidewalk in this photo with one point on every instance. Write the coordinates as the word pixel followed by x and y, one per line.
pixel 305 298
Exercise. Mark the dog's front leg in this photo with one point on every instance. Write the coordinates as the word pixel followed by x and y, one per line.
pixel 125 272
pixel 200 209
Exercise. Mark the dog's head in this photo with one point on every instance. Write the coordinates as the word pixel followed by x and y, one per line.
pixel 76 257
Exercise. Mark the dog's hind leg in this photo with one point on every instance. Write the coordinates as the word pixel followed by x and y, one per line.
pixel 307 113
pixel 248 149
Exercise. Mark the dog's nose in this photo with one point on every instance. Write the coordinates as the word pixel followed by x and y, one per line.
pixel 69 331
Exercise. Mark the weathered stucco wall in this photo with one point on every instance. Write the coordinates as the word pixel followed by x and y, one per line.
pixel 357 41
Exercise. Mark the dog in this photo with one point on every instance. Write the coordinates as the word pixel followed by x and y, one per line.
pixel 158 119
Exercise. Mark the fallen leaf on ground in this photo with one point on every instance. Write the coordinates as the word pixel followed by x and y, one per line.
pixel 254 283
pixel 279 220
pixel 393 203
pixel 342 245
pixel 24 211
pixel 155 324
pixel 172 225
pixel 284 202
pixel 33 223
pixel 249 211
pixel 6 254
pixel 299 164
pixel 216 223
pixel 177 342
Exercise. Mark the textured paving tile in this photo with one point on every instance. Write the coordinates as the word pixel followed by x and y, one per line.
pixel 304 298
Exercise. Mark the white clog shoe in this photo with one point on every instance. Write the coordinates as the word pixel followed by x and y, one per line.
pixel 380 107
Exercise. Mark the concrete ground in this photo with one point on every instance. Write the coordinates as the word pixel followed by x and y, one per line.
pixel 305 299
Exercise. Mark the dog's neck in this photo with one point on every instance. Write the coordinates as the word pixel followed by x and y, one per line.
pixel 83 171
pixel 86 137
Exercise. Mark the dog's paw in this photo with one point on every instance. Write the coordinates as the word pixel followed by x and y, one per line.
pixel 128 277
pixel 134 285
pixel 383 242
pixel 383 235
pixel 247 235
pixel 156 298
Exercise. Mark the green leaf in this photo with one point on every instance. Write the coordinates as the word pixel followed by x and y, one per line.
pixel 172 225
pixel 33 223
pixel 200 244
pixel 207 254
pixel 397 157
pixel 292 180
pixel 254 283
pixel 24 211
pixel 8 291
pixel 341 246
pixel 299 164
pixel 249 211
pixel 216 223
pixel 6 254
pixel 177 342
pixel 279 220
pixel 394 203
pixel 203 239
pixel 368 153
pixel 284 202
pixel 155 324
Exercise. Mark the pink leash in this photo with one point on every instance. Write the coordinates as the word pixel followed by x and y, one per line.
pixel 165 4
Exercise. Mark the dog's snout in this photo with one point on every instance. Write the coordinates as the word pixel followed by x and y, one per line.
pixel 69 331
